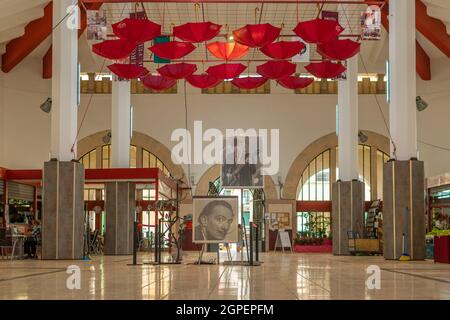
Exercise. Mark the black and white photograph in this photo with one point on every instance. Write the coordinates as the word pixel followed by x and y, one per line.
pixel 242 173
pixel 214 220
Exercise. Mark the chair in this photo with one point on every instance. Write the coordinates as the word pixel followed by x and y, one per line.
pixel 5 242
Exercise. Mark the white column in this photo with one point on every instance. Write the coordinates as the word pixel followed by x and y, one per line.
pixel 402 57
pixel 348 123
pixel 64 82
pixel 121 124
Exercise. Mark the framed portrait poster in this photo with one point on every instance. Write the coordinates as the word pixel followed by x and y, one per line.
pixel 215 220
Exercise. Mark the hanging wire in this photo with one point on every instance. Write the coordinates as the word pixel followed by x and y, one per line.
pixel 186 127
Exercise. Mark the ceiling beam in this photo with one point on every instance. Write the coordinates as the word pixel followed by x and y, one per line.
pixel 35 32
pixel 433 29
pixel 423 62
pixel 47 59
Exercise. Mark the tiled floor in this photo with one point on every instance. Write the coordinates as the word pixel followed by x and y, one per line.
pixel 281 276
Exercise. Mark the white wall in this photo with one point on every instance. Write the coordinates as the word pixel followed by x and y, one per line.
pixel 25 129
pixel 434 122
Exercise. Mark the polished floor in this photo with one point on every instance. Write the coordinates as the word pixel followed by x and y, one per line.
pixel 281 276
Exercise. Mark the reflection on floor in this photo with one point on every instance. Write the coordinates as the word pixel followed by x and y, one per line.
pixel 281 276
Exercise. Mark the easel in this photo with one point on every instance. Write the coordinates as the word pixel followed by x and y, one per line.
pixel 283 239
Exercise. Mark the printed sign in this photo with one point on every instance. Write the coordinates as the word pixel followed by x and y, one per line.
pixel 96 25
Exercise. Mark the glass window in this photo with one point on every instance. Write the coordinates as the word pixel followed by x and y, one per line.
pixel 315 183
pixel 106 151
pixel 93 159
pixel 315 180
pixel 145 159
pixel 133 156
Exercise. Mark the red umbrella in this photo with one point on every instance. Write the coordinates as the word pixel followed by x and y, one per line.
pixel 276 69
pixel 249 82
pixel 114 49
pixel 227 50
pixel 339 49
pixel 177 70
pixel 172 49
pixel 136 30
pixel 256 35
pixel 283 49
pixel 226 70
pixel 293 82
pixel 158 83
pixel 325 69
pixel 318 30
pixel 197 31
pixel 128 71
pixel 203 81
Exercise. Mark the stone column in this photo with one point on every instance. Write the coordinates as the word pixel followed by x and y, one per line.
pixel 63 180
pixel 120 207
pixel 63 212
pixel 347 213
pixel 404 209
pixel 404 182
pixel 120 198
pixel 347 192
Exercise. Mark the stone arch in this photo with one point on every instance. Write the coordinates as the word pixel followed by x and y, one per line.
pixel 139 139
pixel 329 141
pixel 213 173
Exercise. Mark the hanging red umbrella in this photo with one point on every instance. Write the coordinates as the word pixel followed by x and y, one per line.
pixel 339 49
pixel 256 35
pixel 172 50
pixel 114 49
pixel 276 69
pixel 283 49
pixel 128 71
pixel 136 30
pixel 249 82
pixel 177 70
pixel 158 83
pixel 293 82
pixel 227 50
pixel 203 81
pixel 318 30
pixel 226 70
pixel 197 31
pixel 325 69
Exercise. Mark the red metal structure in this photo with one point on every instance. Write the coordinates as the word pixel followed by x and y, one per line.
pixel 165 187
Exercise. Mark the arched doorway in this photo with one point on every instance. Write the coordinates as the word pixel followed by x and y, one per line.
pixel 313 172
pixel 145 152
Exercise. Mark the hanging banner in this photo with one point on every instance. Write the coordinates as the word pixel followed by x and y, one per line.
pixel 137 56
pixel 371 23
pixel 304 55
pixel 96 25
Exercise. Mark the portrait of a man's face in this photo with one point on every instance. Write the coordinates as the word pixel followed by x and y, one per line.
pixel 215 220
